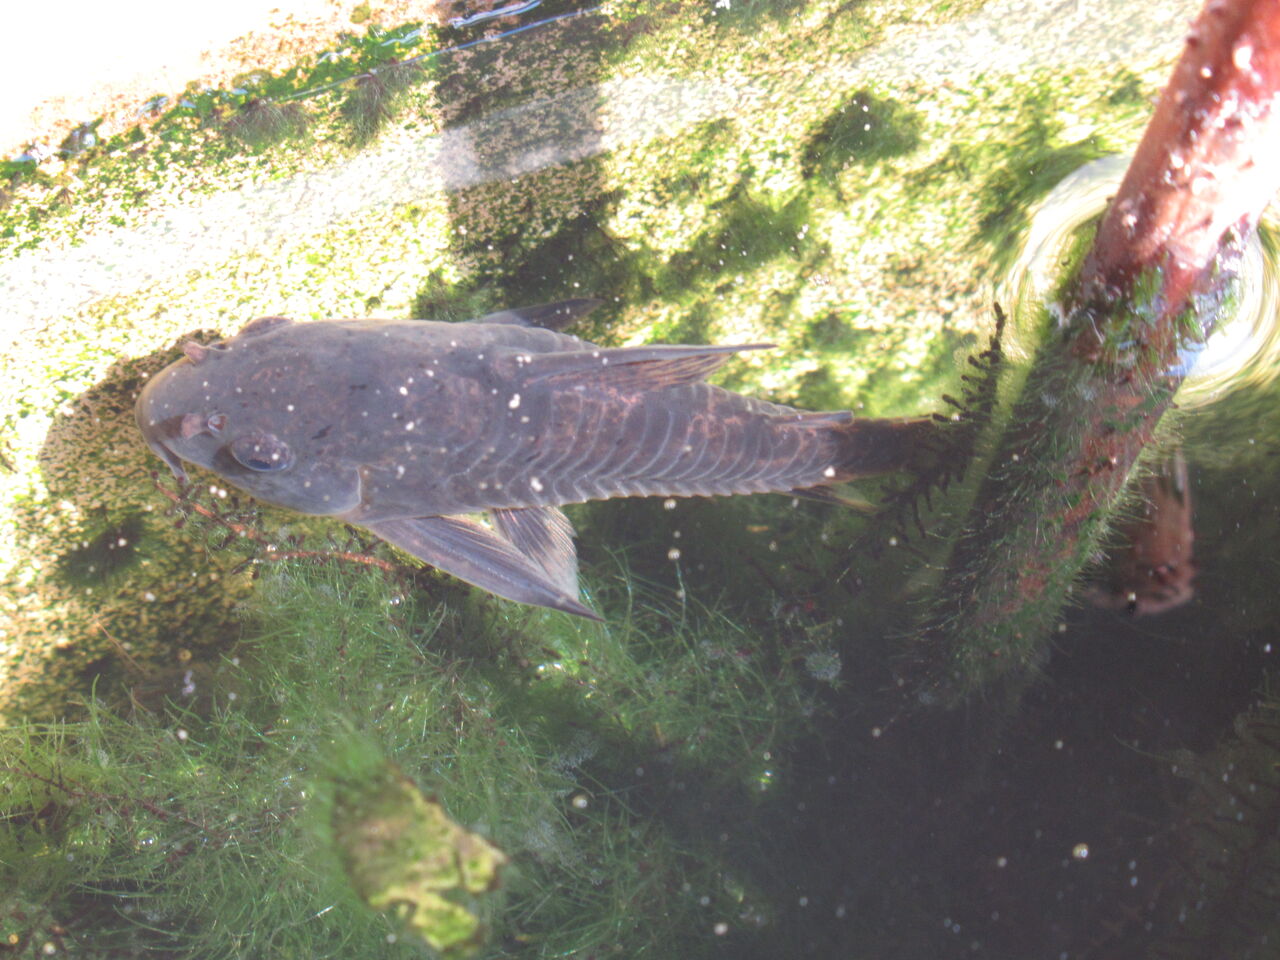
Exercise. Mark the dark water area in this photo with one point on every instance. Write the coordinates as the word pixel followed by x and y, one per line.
pixel 234 731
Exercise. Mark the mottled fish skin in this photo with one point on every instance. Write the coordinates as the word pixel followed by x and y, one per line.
pixel 384 422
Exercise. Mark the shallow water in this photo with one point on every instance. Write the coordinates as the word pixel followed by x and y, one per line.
pixel 737 762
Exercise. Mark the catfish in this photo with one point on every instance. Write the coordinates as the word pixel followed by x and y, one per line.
pixel 404 427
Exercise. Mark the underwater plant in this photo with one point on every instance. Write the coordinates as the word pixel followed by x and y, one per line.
pixel 1158 274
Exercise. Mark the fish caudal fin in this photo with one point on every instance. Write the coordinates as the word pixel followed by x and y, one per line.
pixel 870 447
pixel 862 447
pixel 479 556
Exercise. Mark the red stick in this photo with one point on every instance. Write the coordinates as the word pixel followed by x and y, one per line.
pixel 1210 158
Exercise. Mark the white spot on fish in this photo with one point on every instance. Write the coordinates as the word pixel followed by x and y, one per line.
pixel 404 391
pixel 514 401
pixel 289 407
pixel 409 425
pixel 669 504
pixel 536 484
pixel 829 472
pixel 399 470
pixel 673 553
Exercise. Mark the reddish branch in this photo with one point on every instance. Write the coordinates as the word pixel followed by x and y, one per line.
pixel 114 800
pixel 271 551
pixel 1157 275
pixel 1209 161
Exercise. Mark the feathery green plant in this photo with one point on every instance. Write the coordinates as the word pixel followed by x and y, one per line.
pixel 581 753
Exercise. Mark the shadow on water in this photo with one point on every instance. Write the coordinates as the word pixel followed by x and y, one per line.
pixel 152 596
pixel 864 130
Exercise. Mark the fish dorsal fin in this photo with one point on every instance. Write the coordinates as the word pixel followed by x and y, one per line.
pixel 479 556
pixel 545 536
pixel 633 368
pixel 552 316
pixel 261 325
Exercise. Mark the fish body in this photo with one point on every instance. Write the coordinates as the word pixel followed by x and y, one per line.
pixel 404 426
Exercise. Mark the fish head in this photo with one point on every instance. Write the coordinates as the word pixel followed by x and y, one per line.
pixel 226 407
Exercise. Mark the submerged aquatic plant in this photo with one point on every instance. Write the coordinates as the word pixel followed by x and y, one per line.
pixel 1159 273
pixel 260 123
pixel 258 824
pixel 370 101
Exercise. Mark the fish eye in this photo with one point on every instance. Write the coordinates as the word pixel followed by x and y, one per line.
pixel 262 452
pixel 215 423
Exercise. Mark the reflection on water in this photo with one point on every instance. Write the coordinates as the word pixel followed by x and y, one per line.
pixel 1154 569
pixel 1243 352
pixel 727 764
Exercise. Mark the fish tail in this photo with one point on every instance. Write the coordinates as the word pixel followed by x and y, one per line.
pixel 864 447
pixel 867 447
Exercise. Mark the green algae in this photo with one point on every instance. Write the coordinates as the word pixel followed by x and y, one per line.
pixel 407 858
pixel 250 825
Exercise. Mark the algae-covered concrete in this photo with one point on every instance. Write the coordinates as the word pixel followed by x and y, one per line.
pixel 845 180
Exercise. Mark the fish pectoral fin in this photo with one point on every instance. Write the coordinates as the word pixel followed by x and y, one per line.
pixel 825 494
pixel 475 554
pixel 643 368
pixel 545 536
pixel 552 316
